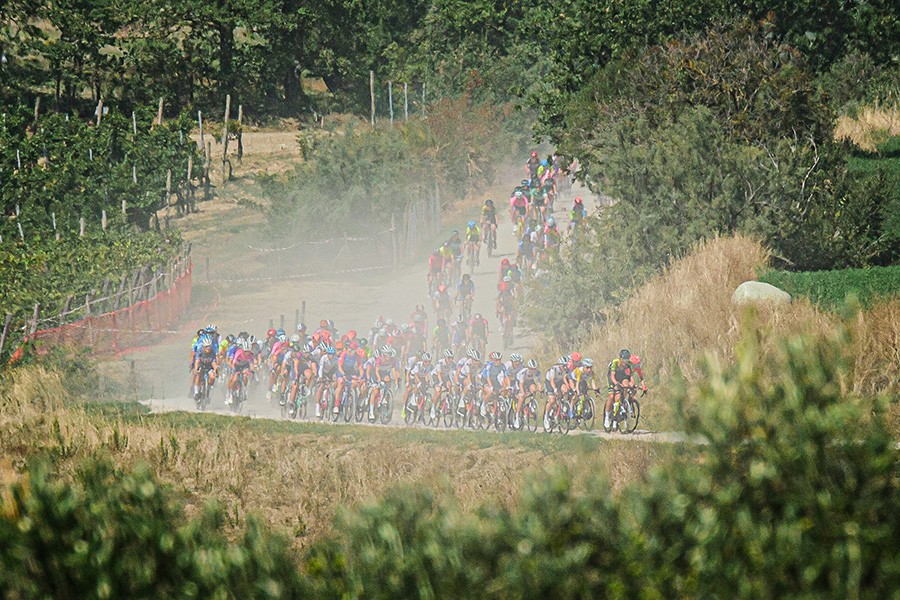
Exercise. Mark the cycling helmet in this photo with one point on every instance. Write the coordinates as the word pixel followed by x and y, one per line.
pixel 495 356
pixel 441 289
pixel 301 326
pixel 507 278
pixel 229 338
pixel 388 321
pixel 426 356
pixel 515 357
pixel 354 345
pixel 404 328
pixel 551 221
pixel 330 324
pixel 488 202
pixel 282 338
pixel 534 155
pixel 544 163
pixel 578 200
pixel 635 359
pixel 295 339
pixel 442 322
pixel 385 349
pixel 448 353
pixel 504 286
pixel 504 262
pixel 476 355
pixel 561 360
pixel 323 323
pixel 624 354
pixel 252 339
pixel 418 318
pixel 466 277
pixel 363 342
pixel 309 347
pixel 270 333
pixel 454 232
pixel 471 224
pixel 206 343
pixel 568 357
pixel 576 356
pixel 210 329
pixel 477 317
pixel 279 332
pixel 519 194
pixel 588 362
pixel 330 350
pixel 532 364
pixel 393 352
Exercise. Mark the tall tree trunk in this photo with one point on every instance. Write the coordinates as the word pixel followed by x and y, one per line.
pixel 226 59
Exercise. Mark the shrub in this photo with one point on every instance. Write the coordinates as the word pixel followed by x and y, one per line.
pixel 114 534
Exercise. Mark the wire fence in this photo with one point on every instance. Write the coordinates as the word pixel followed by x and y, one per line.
pixel 139 309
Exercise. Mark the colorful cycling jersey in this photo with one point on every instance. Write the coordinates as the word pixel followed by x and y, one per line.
pixel 513 370
pixel 459 333
pixel 494 373
pixel 470 367
pixel 465 288
pixel 421 369
pixel 242 359
pixel 489 214
pixel 328 366
pixel 444 368
pixel 352 361
pixel 206 359
pixel 578 214
pixel 479 327
pixel 527 377
pixel 622 369
pixel 579 375
pixel 507 300
pixel 435 262
pixel 556 373
pixel 473 234
pixel 518 201
pixel 385 365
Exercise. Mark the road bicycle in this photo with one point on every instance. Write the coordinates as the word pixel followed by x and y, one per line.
pixel 626 411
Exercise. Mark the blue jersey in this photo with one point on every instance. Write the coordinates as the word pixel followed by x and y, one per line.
pixel 492 372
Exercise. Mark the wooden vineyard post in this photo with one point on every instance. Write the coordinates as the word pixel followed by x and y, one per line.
pixel 225 137
pixel 159 113
pixel 391 102
pixel 240 133
pixel 372 95
pixel 5 332
pixel 405 102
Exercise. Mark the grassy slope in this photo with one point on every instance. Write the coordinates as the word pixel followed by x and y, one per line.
pixel 296 476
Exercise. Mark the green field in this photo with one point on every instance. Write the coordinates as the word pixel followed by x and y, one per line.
pixel 832 289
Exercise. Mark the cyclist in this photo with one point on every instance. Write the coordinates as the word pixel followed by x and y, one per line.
pixel 435 267
pixel 301 365
pixel 465 292
pixel 419 375
pixel 532 165
pixel 489 221
pixel 443 303
pixel 473 241
pixel 207 366
pixel 328 365
pixel 513 366
pixel 441 336
pixel 527 380
pixel 619 375
pixel 577 215
pixel 458 333
pixel 442 377
pixel 504 269
pixel 279 349
pixel 506 303
pixel 478 331
pixel 242 361
pixel 518 208
pixel 551 234
pixel 349 370
pixel 495 378
pixel 554 385
pixel 469 374
pixel 383 367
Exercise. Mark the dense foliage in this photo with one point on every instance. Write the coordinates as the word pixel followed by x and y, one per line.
pixel 75 169
pixel 786 499
pixel 51 270
pixel 116 534
pixel 358 178
pixel 832 289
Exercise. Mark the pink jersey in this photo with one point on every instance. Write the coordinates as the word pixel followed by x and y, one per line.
pixel 242 355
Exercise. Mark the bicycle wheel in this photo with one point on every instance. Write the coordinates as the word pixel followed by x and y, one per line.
pixel 459 413
pixel 530 415
pixel 588 411
pixel 447 409
pixel 386 407
pixel 411 410
pixel 501 415
pixel 565 417
pixel 548 420
pixel 361 407
pixel 632 415
pixel 348 405
pixel 302 401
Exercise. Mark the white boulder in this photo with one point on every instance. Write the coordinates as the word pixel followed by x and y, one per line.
pixel 757 291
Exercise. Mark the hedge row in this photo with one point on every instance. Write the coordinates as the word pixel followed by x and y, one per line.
pixel 831 289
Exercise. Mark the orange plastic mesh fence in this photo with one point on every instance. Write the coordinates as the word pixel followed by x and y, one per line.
pixel 140 324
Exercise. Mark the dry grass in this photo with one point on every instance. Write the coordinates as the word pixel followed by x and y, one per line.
pixel 686 312
pixel 295 477
pixel 870 127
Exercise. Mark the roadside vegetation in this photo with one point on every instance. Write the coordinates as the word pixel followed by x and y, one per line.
pixel 787 498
